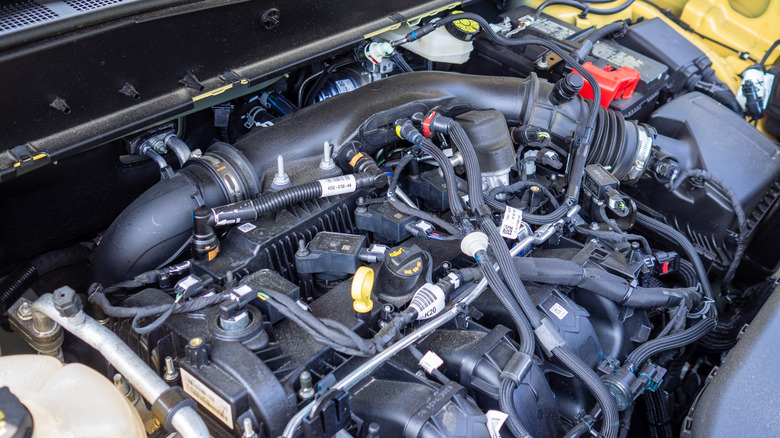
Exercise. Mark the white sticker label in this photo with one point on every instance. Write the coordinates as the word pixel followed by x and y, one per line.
pixel 338 185
pixel 512 223
pixel 430 362
pixel 559 311
pixel 207 398
pixel 345 85
pixel 247 227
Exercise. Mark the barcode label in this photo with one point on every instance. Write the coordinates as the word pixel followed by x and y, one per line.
pixel 338 185
pixel 247 227
pixel 559 311
pixel 512 223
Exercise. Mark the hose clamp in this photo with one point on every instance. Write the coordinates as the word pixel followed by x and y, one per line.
pixel 627 296
pixel 642 155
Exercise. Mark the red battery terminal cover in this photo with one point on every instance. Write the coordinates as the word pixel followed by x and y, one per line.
pixel 614 84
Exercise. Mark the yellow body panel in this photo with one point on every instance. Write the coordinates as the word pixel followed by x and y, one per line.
pixel 747 25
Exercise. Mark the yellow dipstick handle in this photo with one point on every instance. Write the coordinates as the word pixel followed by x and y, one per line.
pixel 362 283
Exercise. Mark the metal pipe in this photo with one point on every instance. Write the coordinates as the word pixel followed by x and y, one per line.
pixel 186 420
pixel 541 235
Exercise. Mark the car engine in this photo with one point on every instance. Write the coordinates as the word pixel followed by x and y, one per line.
pixel 471 220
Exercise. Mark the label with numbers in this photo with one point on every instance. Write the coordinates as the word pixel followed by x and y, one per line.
pixel 512 223
pixel 338 185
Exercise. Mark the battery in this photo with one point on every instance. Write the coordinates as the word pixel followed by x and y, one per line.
pixel 490 58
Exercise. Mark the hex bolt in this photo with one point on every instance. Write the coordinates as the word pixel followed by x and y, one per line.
pixel 594 226
pixel 171 373
pixel 249 431
pixel 307 389
pixel 281 180
pixel 24 311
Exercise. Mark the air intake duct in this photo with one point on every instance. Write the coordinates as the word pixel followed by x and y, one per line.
pixel 158 224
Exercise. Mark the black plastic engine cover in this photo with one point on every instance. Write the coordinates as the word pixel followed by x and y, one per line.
pixel 703 134
pixel 743 396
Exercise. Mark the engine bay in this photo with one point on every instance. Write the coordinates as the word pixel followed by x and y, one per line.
pixel 486 221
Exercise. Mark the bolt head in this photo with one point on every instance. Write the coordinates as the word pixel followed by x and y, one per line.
pixel 270 18
pixel 24 311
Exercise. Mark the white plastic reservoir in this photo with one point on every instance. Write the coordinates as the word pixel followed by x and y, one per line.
pixel 69 401
pixel 438 46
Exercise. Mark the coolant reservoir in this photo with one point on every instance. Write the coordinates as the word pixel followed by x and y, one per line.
pixel 437 46
pixel 69 400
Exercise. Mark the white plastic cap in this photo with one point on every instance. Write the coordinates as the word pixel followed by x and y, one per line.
pixel 474 242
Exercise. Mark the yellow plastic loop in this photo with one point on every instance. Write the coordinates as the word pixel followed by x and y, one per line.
pixel 362 283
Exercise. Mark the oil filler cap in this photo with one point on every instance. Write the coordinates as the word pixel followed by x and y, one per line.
pixel 400 274
pixel 464 30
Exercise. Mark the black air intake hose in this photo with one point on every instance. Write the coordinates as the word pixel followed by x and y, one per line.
pixel 602 283
pixel 158 224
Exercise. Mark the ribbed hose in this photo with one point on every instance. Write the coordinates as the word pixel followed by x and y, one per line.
pixel 23 277
pixel 398 60
pixel 526 339
pixel 507 405
pixel 611 421
pixel 253 208
pixel 473 172
pixel 724 336
pixel 670 342
pixel 509 272
pixel 675 236
pixel 15 284
pixel 658 416
pixel 692 334
pixel 407 210
pixel 582 6
pixel 590 40
pixel 289 196
pixel 456 206
pixel 738 211
pixel 525 334
pixel 688 273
